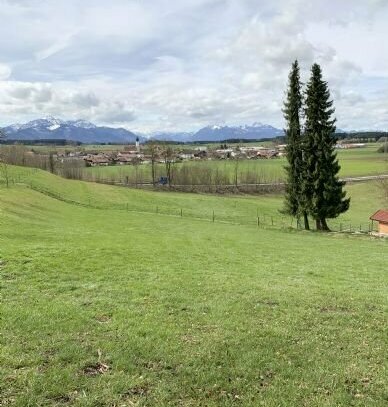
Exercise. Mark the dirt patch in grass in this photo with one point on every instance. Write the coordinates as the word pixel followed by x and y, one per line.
pixel 103 319
pixel 266 378
pixel 140 390
pixel 62 398
pixel 95 369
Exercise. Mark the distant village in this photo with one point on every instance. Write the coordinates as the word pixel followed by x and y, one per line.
pixel 139 154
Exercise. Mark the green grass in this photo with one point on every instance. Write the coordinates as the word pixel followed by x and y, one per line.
pixel 354 163
pixel 103 307
pixel 366 198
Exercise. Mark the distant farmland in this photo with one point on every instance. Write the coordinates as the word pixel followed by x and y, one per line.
pixel 353 163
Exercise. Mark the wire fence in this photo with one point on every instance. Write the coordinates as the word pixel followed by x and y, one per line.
pixel 261 220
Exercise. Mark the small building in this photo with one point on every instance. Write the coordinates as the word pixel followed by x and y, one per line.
pixel 267 153
pixel 350 145
pixel 186 156
pixel 381 217
pixel 97 160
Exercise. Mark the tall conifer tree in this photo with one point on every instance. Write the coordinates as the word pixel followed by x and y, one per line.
pixel 321 186
pixel 294 202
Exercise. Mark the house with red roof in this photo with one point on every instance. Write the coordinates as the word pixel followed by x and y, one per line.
pixel 381 216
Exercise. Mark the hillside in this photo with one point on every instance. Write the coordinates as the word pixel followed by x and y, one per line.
pixel 109 307
pixel 238 209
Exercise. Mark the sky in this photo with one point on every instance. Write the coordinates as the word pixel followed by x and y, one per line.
pixel 169 65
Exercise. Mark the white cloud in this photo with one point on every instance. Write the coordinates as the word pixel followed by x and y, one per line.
pixel 157 64
pixel 5 71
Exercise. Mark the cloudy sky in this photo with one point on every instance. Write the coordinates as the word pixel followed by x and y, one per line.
pixel 178 65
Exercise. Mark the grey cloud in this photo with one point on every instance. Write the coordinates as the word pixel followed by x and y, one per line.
pixel 31 92
pixel 84 99
pixel 116 113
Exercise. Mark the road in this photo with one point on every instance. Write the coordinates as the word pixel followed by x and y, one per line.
pixel 273 184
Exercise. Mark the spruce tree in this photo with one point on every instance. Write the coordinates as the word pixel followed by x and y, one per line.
pixel 321 186
pixel 294 202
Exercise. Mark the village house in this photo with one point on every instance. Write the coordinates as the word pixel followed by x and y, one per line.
pixel 267 153
pixel 128 157
pixel 251 148
pixel 347 146
pixel 97 160
pixel 223 154
pixel 381 216
pixel 200 154
pixel 186 156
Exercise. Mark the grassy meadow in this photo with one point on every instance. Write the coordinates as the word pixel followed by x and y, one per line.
pixel 109 305
pixel 240 209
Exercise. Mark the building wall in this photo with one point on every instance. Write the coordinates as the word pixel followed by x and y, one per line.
pixel 383 228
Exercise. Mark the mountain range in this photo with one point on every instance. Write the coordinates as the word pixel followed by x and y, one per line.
pixel 85 132
pixel 74 130
pixel 247 132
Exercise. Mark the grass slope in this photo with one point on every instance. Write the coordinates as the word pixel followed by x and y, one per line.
pixel 109 308
pixel 366 198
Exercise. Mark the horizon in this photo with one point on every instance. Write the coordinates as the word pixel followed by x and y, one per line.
pixel 160 67
pixel 189 132
pixel 214 126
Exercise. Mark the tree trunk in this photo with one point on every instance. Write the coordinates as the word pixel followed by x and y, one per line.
pixel 318 224
pixel 153 171
pixel 324 225
pixel 306 221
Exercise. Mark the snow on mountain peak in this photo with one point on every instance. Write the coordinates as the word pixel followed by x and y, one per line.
pixel 53 127
pixel 52 120
pixel 81 123
pixel 259 124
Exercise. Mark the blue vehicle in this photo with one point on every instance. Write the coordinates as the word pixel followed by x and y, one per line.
pixel 163 181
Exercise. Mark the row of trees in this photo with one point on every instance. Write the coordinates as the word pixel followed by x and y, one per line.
pixel 313 186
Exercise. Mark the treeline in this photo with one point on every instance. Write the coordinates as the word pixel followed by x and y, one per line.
pixel 363 136
pixel 186 176
pixel 17 154
pixel 40 142
pixel 366 136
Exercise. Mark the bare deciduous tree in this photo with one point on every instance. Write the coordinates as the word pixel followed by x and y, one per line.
pixel 3 161
pixel 153 152
pixel 168 156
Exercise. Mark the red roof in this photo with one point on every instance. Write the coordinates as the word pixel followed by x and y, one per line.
pixel 380 216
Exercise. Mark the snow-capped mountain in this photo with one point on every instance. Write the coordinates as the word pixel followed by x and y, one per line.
pixel 248 132
pixel 171 136
pixel 74 130
pixel 87 132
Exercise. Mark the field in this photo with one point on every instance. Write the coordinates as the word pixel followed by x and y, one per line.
pixel 240 209
pixel 106 304
pixel 354 163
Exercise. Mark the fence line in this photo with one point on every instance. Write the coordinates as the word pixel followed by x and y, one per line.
pixel 261 220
